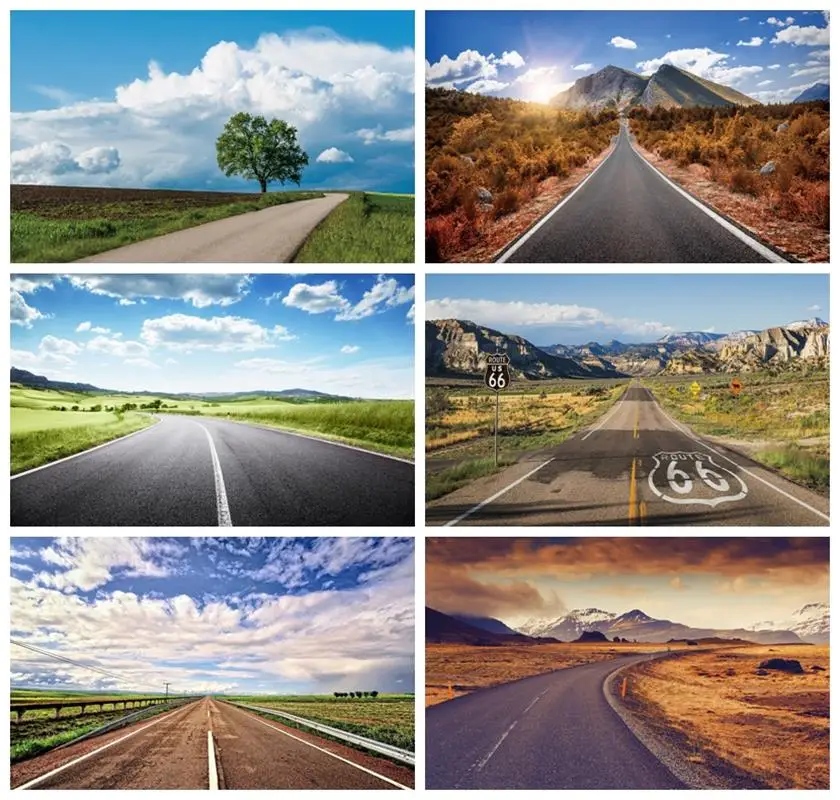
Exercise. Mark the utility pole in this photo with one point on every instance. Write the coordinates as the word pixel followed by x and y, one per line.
pixel 166 695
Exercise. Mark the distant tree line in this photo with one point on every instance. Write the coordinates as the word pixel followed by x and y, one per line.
pixel 153 405
pixel 356 694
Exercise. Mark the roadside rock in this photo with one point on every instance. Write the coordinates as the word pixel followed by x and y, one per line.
pixel 790 665
pixel 768 169
pixel 782 126
pixel 817 668
pixel 761 672
pixel 483 195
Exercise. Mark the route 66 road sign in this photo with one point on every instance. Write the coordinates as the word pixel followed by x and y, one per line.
pixel 497 374
pixel 688 478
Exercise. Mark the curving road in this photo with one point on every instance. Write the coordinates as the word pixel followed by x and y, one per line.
pixel 208 745
pixel 271 236
pixel 635 466
pixel 204 471
pixel 554 731
pixel 625 212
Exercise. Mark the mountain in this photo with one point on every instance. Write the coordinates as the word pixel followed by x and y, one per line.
pixel 641 627
pixel 610 87
pixel 461 347
pixel 811 623
pixel 486 624
pixel 819 91
pixel 25 378
pixel 446 629
pixel 456 346
pixel 669 87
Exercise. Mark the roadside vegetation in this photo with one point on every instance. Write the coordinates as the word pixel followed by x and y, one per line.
pixel 59 224
pixel 39 730
pixel 47 424
pixel 533 416
pixel 727 712
pixel 486 157
pixel 781 421
pixel 731 146
pixel 365 228
pixel 456 669
pixel 387 718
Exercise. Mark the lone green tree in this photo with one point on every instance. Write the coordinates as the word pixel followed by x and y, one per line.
pixel 259 150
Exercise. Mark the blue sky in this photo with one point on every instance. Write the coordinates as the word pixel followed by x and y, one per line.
pixel 351 335
pixel 235 615
pixel 770 55
pixel 574 309
pixel 137 99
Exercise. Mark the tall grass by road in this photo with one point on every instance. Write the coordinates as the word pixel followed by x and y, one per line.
pixel 781 421
pixel 78 231
pixel 383 425
pixel 366 228
pixel 41 436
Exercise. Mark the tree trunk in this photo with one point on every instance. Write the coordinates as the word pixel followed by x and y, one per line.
pixel 263 185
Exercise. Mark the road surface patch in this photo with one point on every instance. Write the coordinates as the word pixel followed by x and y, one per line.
pixel 329 753
pixel 534 228
pixel 222 509
pixel 765 252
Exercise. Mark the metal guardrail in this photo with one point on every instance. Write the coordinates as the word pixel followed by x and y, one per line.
pixel 389 750
pixel 126 720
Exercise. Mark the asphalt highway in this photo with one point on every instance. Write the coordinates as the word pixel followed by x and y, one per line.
pixel 186 471
pixel 208 745
pixel 625 212
pixel 553 731
pixel 634 466
pixel 272 235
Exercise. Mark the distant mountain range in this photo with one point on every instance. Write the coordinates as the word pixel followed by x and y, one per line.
pixel 669 87
pixel 808 624
pixel 25 378
pixel 819 91
pixel 461 347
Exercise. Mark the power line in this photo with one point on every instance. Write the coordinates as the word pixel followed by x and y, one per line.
pixel 100 670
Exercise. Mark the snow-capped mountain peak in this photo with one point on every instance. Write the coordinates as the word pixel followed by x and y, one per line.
pixel 813 322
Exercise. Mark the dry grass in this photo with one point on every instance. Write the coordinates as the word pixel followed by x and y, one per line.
pixel 774 727
pixel 506 147
pixel 456 669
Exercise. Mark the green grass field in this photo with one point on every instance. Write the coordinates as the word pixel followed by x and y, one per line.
pixel 47 424
pixel 367 228
pixel 387 718
pixel 781 421
pixel 40 730
pixel 86 229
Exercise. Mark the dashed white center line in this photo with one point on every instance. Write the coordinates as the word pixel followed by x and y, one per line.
pixel 222 509
pixel 498 744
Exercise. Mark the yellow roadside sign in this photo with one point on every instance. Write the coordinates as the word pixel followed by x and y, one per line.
pixel 735 386
pixel 695 388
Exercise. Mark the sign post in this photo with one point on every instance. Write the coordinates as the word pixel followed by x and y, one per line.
pixel 497 377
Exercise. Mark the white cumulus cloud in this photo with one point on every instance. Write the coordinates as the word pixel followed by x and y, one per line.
pixel 755 41
pixel 332 155
pixel 798 35
pixel 622 43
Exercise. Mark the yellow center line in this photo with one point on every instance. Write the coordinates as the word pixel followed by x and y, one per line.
pixel 632 509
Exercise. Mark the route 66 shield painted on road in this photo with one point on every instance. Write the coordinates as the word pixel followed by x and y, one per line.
pixel 688 478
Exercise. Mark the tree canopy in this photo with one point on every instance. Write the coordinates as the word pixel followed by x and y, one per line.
pixel 254 148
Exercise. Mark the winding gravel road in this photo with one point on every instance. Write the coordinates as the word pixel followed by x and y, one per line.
pixel 270 236
pixel 625 212
pixel 554 731
pixel 634 466
pixel 204 471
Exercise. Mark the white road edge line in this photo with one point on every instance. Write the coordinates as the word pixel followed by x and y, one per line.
pixel 529 233
pixel 606 418
pixel 211 763
pixel 688 433
pixel 46 775
pixel 496 496
pixel 323 750
pixel 85 452
pixel 315 439
pixel 764 252
pixel 222 509
pixel 481 764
